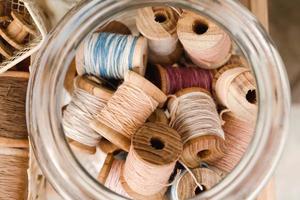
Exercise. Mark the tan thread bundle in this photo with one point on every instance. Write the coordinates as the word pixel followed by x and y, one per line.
pixel 13 173
pixel 239 100
pixel 12 105
pixel 127 110
pixel 125 116
pixel 238 133
pixel 79 113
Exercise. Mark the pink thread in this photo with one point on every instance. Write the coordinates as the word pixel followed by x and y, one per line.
pixel 113 179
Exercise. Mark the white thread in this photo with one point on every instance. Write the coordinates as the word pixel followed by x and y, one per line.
pixel 79 113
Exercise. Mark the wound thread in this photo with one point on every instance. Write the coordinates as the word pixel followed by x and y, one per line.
pixel 111 55
pixel 12 105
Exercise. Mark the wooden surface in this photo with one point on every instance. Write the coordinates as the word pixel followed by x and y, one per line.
pixel 260 9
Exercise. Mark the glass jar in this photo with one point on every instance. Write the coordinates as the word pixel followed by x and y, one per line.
pixel 45 97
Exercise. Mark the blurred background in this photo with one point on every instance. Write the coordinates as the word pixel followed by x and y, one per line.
pixel 284 25
pixel 284 18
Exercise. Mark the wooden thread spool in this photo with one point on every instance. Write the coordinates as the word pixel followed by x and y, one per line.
pixel 115 27
pixel 13 88
pixel 236 89
pixel 138 62
pixel 81 147
pixel 158 116
pixel 13 173
pixel 186 187
pixel 88 99
pixel 151 160
pixel 206 44
pixel 195 118
pixel 158 25
pixel 17 31
pixel 116 122
pixel 238 133
pixel 110 175
pixel 171 79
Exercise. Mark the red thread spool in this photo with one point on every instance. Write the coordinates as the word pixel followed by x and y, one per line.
pixel 171 79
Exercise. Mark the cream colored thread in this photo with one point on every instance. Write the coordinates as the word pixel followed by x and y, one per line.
pixel 79 113
pixel 193 115
pixel 113 179
pixel 225 80
pixel 146 179
pixel 127 110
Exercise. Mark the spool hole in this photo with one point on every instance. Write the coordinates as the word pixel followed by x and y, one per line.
pixel 198 190
pixel 200 27
pixel 157 144
pixel 203 154
pixel 160 18
pixel 251 96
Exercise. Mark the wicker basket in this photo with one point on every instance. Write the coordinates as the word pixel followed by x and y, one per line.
pixel 30 10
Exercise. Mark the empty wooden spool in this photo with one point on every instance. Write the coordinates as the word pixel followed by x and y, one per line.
pixel 156 145
pixel 204 146
pixel 238 134
pixel 186 187
pixel 13 89
pixel 115 137
pixel 158 25
pixel 206 44
pixel 17 31
pixel 236 90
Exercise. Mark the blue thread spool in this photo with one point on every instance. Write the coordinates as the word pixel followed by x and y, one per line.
pixel 111 55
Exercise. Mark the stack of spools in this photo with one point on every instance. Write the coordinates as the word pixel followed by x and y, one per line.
pixel 13 135
pixel 161 104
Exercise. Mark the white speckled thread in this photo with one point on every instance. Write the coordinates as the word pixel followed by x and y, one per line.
pixel 79 113
pixel 195 114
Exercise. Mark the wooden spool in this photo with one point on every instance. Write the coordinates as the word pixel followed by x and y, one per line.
pixel 158 25
pixel 205 148
pixel 158 116
pixel 93 86
pixel 108 147
pixel 238 134
pixel 13 138
pixel 115 27
pixel 13 173
pixel 206 44
pixel 157 145
pixel 82 147
pixel 186 187
pixel 236 90
pixel 17 31
pixel 115 137
pixel 139 62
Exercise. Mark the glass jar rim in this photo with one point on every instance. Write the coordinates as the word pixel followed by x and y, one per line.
pixel 46 83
